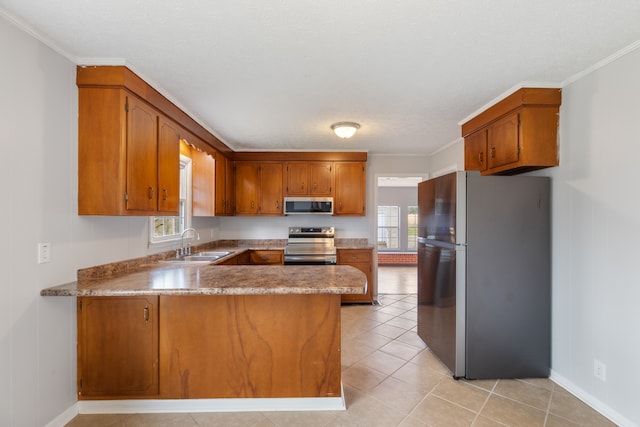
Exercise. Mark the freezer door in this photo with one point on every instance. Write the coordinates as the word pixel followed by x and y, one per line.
pixel 437 208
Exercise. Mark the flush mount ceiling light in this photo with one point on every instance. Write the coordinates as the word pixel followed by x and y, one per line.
pixel 345 129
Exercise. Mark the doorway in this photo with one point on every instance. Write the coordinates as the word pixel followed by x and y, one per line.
pixel 396 233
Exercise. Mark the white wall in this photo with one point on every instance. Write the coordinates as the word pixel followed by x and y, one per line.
pixel 596 230
pixel 448 159
pixel 38 179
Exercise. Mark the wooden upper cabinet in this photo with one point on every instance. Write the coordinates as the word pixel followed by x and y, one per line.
pixel 520 133
pixel 503 141
pixel 168 166
pixel 309 179
pixel 142 156
pixel 247 182
pixel 475 151
pixel 118 347
pixel 128 156
pixel 203 179
pixel 258 188
pixel 351 188
pixel 225 192
pixel 270 189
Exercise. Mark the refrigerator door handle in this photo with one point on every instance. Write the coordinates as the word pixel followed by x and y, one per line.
pixel 440 244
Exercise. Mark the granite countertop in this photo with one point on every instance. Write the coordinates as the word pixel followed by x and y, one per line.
pixel 150 276
pixel 209 279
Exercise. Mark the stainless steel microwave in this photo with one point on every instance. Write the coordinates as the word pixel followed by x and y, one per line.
pixel 308 205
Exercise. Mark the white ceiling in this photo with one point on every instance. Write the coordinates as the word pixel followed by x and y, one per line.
pixel 275 74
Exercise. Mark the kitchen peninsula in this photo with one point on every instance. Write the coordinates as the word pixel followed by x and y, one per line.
pixel 205 331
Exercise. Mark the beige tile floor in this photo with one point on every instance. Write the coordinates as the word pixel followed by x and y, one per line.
pixel 391 379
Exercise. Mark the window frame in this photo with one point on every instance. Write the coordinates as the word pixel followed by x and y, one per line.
pixel 186 203
pixel 391 228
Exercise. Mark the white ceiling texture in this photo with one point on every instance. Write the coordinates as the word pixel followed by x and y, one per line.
pixel 275 74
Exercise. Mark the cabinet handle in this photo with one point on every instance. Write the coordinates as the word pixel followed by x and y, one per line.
pixel 253 204
pixel 164 194
pixel 151 193
pixel 481 157
pixel 146 314
pixel 277 204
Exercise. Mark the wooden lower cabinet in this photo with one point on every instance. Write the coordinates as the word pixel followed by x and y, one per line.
pixel 362 259
pixel 117 347
pixel 209 346
pixel 266 257
pixel 257 346
pixel 256 257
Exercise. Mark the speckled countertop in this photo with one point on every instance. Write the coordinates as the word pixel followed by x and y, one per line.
pixel 149 276
pixel 207 279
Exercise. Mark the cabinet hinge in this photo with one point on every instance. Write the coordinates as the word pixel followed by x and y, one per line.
pixel 126 197
pixel 80 305
pixel 126 106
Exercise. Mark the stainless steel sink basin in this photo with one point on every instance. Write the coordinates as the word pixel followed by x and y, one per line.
pixel 218 254
pixel 199 257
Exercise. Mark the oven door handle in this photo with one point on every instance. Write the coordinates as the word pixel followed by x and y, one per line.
pixel 308 258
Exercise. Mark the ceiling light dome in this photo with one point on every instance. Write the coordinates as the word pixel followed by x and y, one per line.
pixel 345 129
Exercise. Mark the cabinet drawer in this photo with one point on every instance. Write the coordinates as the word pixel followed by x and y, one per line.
pixel 348 256
pixel 267 257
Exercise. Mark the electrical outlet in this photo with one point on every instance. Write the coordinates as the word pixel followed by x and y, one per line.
pixel 44 252
pixel 600 370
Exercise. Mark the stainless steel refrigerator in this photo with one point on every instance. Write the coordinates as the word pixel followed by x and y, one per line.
pixel 484 274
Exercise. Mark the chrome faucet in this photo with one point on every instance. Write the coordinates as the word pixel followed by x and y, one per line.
pixel 187 250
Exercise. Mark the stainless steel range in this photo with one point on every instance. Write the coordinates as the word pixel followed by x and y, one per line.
pixel 310 246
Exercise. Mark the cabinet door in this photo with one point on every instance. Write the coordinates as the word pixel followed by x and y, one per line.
pixel 142 156
pixel 320 178
pixel 362 260
pixel 350 192
pixel 266 257
pixel 221 178
pixel 102 156
pixel 297 179
pixel 247 176
pixel 503 141
pixel 168 167
pixel 475 151
pixel 203 178
pixel 230 188
pixel 117 346
pixel 270 189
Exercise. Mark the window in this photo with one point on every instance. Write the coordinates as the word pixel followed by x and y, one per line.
pixel 164 229
pixel 412 227
pixel 388 227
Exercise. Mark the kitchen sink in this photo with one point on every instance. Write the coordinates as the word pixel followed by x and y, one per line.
pixel 199 257
pixel 219 254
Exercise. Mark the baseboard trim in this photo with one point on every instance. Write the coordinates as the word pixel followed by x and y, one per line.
pixel 62 419
pixel 210 405
pixel 604 409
